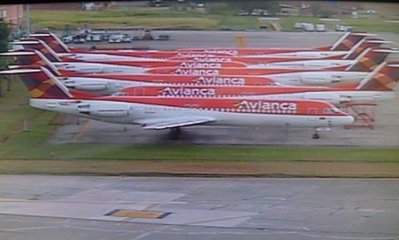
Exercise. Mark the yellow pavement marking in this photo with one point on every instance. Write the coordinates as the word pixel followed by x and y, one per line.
pixel 81 131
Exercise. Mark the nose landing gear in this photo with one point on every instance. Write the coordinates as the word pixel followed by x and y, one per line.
pixel 319 129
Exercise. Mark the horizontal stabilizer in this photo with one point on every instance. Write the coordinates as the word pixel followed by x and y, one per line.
pixel 17 53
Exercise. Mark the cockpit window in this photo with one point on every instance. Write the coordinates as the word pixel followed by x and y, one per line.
pixel 331 110
pixel 120 94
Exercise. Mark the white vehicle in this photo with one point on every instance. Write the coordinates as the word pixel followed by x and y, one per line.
pixel 320 28
pixel 119 38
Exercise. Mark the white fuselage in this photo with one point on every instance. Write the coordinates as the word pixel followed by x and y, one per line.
pixel 134 113
pixel 97 68
pixel 306 54
pixel 318 78
pixel 311 64
pixel 334 97
pixel 106 57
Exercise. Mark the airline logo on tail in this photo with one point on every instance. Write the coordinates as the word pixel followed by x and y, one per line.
pixel 41 83
pixel 384 79
pixel 267 107
pixel 348 40
pixel 40 88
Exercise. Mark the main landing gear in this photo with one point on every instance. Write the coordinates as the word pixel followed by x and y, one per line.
pixel 174 133
pixel 315 135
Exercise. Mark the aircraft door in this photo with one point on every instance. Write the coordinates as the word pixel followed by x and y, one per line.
pixel 312 111
pixel 139 91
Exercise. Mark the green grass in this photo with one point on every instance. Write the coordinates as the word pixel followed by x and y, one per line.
pixel 206 153
pixel 122 18
pixel 173 19
pixel 15 110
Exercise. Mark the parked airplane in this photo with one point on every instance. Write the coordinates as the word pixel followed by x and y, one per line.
pixel 110 83
pixel 351 54
pixel 377 86
pixel 120 60
pixel 344 43
pixel 375 56
pixel 173 113
pixel 228 61
pixel 366 61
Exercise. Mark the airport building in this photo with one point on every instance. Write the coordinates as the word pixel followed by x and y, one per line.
pixel 12 14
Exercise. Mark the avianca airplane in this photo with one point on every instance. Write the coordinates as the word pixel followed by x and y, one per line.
pixel 353 53
pixel 110 83
pixel 120 60
pixel 173 113
pixel 344 43
pixel 232 61
pixel 377 86
pixel 366 61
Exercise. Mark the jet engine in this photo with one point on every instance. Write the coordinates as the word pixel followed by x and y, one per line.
pixel 86 85
pixel 319 79
pixel 104 109
pixel 333 97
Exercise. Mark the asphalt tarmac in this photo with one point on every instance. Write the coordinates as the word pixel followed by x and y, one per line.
pixel 80 208
pixel 382 129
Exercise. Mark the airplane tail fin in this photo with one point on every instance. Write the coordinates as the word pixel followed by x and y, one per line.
pixel 40 46
pixel 52 41
pixel 41 83
pixel 348 40
pixel 31 57
pixel 369 59
pixel 383 78
pixel 362 45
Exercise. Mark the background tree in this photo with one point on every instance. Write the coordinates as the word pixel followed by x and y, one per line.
pixel 315 8
pixel 4 39
pixel 272 6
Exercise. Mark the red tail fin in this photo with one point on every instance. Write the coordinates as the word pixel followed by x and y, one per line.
pixel 383 78
pixel 348 40
pixel 40 46
pixel 370 59
pixel 363 45
pixel 41 83
pixel 32 57
pixel 52 41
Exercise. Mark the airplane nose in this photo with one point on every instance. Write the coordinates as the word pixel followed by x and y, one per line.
pixel 348 119
pixel 341 120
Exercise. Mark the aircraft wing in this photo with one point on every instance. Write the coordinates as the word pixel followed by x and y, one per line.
pixel 164 123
